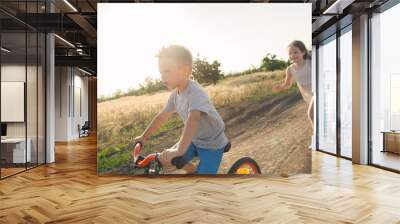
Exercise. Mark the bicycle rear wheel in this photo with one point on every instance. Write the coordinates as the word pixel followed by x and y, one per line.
pixel 245 165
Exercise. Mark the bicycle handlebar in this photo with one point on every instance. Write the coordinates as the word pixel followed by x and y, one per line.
pixel 146 161
pixel 178 161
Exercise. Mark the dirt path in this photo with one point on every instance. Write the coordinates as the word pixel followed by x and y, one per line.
pixel 276 133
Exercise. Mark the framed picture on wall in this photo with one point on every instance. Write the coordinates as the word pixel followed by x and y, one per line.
pixel 200 88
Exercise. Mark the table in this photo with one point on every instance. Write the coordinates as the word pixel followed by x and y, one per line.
pixel 391 141
pixel 13 150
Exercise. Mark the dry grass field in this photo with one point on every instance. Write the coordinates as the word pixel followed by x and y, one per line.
pixel 269 126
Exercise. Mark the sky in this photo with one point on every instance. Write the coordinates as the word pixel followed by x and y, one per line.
pixel 238 35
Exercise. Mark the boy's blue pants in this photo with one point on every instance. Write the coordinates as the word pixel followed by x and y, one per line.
pixel 210 159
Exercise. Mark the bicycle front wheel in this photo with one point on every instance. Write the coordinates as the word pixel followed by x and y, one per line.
pixel 245 165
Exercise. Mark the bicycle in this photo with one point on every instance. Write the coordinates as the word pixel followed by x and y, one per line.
pixel 152 166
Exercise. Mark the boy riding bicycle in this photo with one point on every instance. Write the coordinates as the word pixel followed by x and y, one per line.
pixel 203 134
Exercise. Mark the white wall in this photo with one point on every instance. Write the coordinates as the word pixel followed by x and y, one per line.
pixel 62 80
pixel 71 93
pixel 80 110
pixel 16 73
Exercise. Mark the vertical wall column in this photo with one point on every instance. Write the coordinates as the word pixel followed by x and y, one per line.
pixel 92 99
pixel 50 92
pixel 360 89
pixel 50 99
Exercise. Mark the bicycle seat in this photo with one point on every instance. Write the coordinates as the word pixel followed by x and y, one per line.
pixel 179 162
pixel 227 147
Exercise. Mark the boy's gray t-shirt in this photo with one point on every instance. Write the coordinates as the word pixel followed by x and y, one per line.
pixel 210 132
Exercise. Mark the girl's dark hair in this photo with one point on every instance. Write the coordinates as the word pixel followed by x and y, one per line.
pixel 300 45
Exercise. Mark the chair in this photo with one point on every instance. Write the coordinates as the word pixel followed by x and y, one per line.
pixel 84 130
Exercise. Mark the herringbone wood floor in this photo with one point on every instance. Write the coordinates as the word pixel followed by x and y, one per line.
pixel 70 191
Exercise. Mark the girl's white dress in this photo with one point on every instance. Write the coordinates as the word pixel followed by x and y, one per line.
pixel 303 79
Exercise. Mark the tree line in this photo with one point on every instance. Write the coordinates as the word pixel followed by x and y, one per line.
pixel 204 72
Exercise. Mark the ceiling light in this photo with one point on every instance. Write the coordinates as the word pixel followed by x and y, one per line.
pixel 338 6
pixel 65 41
pixel 5 50
pixel 70 5
pixel 84 71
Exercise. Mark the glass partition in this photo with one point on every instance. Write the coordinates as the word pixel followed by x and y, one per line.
pixel 22 77
pixel 385 89
pixel 14 153
pixel 31 100
pixel 327 95
pixel 346 92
